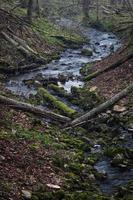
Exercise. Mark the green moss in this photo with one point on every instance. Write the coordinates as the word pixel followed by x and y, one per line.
pixel 21 132
pixel 92 159
pixel 76 168
pixel 91 76
pixel 56 102
pixel 87 52
pixel 112 151
pixel 85 98
pixel 54 35
pixel 87 69
pixel 59 90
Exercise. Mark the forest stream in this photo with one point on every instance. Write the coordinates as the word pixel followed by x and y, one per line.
pixel 71 61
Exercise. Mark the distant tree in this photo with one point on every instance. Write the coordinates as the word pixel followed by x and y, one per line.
pixel 85 8
pixel 30 9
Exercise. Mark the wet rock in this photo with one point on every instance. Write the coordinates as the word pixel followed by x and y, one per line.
pixel 75 91
pixel 37 83
pixel 103 46
pixel 122 136
pixel 91 177
pixel 93 89
pixel 118 159
pixel 52 186
pixel 101 175
pixel 62 78
pixel 97 43
pixel 123 166
pixel 29 82
pixel 112 48
pixel 39 77
pixel 26 194
pixel 70 76
pixel 119 109
pixel 2 158
pixel 2 77
pixel 87 51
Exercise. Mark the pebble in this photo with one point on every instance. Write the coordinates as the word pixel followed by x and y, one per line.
pixel 2 157
pixel 26 194
pixel 53 186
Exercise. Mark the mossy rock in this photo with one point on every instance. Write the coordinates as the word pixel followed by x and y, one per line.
pixel 85 98
pixel 87 52
pixel 113 151
pixel 58 90
pixel 87 69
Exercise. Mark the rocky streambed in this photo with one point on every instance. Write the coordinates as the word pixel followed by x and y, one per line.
pixel 67 69
pixel 65 73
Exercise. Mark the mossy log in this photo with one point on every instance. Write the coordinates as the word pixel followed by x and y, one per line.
pixel 56 102
pixel 102 107
pixel 112 66
pixel 32 109
pixel 15 70
pixel 58 90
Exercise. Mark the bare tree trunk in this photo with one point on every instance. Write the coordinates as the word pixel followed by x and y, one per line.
pixel 101 108
pixel 32 109
pixel 30 10
pixel 38 8
pixel 97 8
pixel 85 8
pixel 113 66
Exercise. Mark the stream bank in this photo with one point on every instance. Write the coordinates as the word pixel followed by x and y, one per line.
pixel 93 160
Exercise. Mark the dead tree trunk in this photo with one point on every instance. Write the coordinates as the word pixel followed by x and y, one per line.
pixel 101 108
pixel 24 48
pixel 16 44
pixel 85 8
pixel 32 109
pixel 107 69
pixel 30 10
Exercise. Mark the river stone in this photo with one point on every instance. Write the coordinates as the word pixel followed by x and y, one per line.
pixel 87 52
pixel 62 78
pixel 102 175
pixel 112 48
pixel 91 177
pixel 29 82
pixel 52 186
pixel 26 194
pixel 118 159
pixel 93 89
pixel 119 109
pixel 2 158
pixel 37 83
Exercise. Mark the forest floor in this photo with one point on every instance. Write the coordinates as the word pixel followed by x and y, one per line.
pixel 112 82
pixel 42 161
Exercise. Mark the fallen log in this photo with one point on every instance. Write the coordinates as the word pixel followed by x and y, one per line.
pixel 16 44
pixel 19 69
pixel 25 49
pixel 32 109
pixel 24 45
pixel 102 107
pixel 64 108
pixel 107 69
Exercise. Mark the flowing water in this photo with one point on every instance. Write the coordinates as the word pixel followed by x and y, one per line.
pixel 69 64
